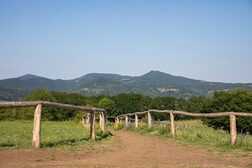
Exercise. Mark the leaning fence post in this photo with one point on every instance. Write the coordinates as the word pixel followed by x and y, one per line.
pixel 126 120
pixel 136 121
pixel 172 125
pixel 102 121
pixel 37 127
pixel 92 125
pixel 233 132
pixel 149 120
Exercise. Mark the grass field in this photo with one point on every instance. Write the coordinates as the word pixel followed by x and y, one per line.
pixel 67 134
pixel 194 132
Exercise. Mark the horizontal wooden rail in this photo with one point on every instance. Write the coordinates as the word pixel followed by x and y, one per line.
pixel 20 104
pixel 219 114
pixel 231 115
pixel 38 112
pixel 49 104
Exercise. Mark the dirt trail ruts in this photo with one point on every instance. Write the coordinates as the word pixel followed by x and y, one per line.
pixel 127 149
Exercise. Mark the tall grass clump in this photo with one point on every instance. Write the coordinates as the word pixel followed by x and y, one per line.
pixel 119 126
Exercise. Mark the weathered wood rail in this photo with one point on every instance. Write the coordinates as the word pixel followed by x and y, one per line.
pixel 231 115
pixel 38 112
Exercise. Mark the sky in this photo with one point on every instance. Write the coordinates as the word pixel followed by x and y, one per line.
pixel 200 39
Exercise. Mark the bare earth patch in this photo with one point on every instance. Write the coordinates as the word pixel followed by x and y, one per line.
pixel 126 149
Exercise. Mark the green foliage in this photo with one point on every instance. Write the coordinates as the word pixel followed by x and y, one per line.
pixel 107 104
pixel 41 94
pixel 9 114
pixel 68 98
pixel 197 104
pixel 236 101
pixel 127 103
pixel 49 113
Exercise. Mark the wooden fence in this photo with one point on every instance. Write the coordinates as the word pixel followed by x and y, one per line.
pixel 37 116
pixel 231 115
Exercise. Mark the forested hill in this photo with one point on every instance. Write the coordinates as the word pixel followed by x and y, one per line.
pixel 153 84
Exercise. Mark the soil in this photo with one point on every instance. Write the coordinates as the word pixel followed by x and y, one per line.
pixel 126 149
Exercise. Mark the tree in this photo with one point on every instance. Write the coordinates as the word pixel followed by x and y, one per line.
pixel 127 103
pixel 48 113
pixel 238 100
pixel 197 104
pixel 41 94
pixel 107 104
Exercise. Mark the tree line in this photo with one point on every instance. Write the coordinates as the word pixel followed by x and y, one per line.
pixel 238 100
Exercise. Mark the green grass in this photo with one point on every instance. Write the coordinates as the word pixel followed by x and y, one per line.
pixel 194 132
pixel 67 134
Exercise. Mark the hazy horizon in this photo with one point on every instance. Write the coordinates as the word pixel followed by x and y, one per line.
pixel 203 40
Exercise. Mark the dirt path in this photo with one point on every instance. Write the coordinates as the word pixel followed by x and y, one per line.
pixel 126 149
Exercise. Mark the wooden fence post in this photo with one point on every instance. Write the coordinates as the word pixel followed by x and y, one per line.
pixel 126 120
pixel 92 125
pixel 136 121
pixel 172 125
pixel 37 127
pixel 149 120
pixel 83 120
pixel 233 132
pixel 117 121
pixel 88 119
pixel 102 121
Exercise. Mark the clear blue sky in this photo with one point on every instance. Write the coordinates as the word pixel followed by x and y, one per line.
pixel 205 39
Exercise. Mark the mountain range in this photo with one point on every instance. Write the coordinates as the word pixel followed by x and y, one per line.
pixel 153 83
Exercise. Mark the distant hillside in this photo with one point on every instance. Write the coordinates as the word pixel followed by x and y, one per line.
pixel 154 83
